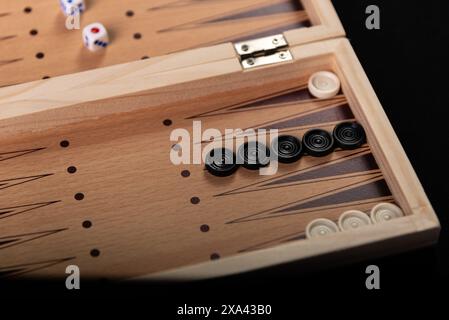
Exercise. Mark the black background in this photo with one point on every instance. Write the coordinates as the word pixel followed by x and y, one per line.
pixel 406 62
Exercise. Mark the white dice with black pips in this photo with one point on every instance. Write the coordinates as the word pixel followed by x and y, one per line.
pixel 72 7
pixel 95 37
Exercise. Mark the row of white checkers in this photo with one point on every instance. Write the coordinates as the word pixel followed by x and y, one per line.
pixel 95 35
pixel 353 219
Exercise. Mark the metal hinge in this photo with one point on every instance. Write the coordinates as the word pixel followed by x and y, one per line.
pixel 263 51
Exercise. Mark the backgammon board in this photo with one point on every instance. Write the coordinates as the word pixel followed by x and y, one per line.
pixel 85 172
pixel 35 43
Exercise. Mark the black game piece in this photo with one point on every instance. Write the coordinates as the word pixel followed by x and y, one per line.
pixel 253 155
pixel 349 135
pixel 288 149
pixel 318 142
pixel 223 164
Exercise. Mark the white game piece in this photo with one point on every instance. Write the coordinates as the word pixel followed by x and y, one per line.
pixel 384 212
pixel 353 219
pixel 321 227
pixel 324 85
pixel 72 7
pixel 95 37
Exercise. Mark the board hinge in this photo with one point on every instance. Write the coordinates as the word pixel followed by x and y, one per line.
pixel 263 51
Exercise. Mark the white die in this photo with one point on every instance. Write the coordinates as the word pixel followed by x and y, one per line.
pixel 95 37
pixel 71 7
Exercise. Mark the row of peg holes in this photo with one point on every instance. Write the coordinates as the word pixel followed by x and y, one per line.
pixel 193 200
pixel 86 224
pixel 41 55
pixel 72 169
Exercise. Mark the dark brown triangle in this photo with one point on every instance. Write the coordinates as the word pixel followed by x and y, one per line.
pixel 252 13
pixel 365 162
pixel 284 98
pixel 332 114
pixel 7 37
pixel 182 3
pixel 30 267
pixel 291 97
pixel 246 104
pixel 361 191
pixel 14 154
pixel 376 189
pixel 4 184
pixel 10 241
pixel 273 182
pixel 5 62
pixel 5 242
pixel 13 211
pixel 5 273
pixel 283 7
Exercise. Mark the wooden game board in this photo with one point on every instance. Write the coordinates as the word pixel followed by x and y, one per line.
pixel 85 175
pixel 155 28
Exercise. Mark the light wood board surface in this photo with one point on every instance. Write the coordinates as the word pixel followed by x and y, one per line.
pixel 155 28
pixel 85 176
pixel 141 206
pixel 127 211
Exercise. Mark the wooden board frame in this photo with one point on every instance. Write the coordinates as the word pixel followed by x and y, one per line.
pixel 32 107
pixel 325 21
pixel 61 50
pixel 420 227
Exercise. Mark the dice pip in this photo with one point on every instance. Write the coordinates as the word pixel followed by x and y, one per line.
pixel 72 7
pixel 95 36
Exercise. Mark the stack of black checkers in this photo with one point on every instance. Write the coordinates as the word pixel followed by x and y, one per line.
pixel 253 155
